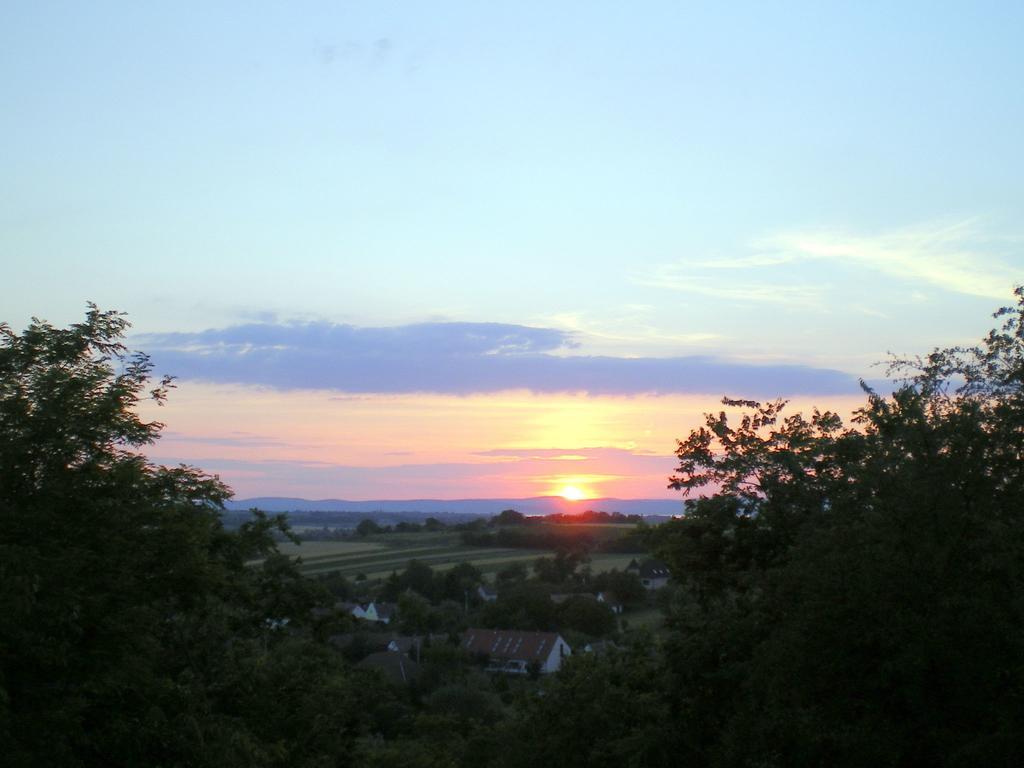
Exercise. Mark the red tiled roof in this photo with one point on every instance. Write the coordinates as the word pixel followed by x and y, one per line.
pixel 509 644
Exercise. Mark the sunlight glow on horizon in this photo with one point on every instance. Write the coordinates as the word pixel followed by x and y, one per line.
pixel 319 444
pixel 572 493
pixel 324 203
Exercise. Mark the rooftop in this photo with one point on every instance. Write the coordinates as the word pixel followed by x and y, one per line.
pixel 509 644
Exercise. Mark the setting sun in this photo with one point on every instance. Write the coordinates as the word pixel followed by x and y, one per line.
pixel 572 493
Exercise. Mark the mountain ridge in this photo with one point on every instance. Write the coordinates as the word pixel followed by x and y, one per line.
pixel 536 505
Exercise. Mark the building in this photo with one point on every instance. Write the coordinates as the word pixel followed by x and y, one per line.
pixel 611 600
pixel 600 647
pixel 412 645
pixel 382 613
pixel 516 652
pixel 653 574
pixel 486 594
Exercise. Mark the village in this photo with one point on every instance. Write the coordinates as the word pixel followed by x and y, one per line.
pixel 516 626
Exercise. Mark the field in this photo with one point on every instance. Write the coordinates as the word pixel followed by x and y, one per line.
pixel 377 556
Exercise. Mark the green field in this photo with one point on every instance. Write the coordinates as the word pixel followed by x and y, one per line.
pixel 377 556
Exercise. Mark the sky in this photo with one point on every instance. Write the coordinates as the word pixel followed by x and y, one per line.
pixel 462 250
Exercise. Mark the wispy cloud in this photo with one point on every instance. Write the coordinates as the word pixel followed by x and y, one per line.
pixel 459 358
pixel 233 439
pixel 951 256
pixel 628 331
pixel 687 278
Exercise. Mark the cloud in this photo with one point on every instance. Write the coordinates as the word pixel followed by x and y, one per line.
pixel 234 439
pixel 684 278
pixel 952 256
pixel 459 359
pixel 947 256
pixel 563 454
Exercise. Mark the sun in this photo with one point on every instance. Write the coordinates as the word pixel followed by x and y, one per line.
pixel 571 493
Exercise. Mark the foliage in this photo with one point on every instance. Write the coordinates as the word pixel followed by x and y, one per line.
pixel 853 594
pixel 597 712
pixel 508 517
pixel 533 536
pixel 511 573
pixel 560 568
pixel 845 594
pixel 625 587
pixel 583 613
pixel 415 616
pixel 456 584
pixel 368 527
pixel 526 605
pixel 131 629
pixel 590 517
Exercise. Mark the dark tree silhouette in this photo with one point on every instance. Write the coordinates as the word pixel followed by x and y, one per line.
pixel 132 632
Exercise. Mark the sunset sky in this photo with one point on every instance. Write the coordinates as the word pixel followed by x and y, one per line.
pixel 464 249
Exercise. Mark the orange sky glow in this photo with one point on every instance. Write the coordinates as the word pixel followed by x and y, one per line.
pixel 319 444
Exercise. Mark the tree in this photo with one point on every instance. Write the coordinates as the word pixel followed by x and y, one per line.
pixel 606 711
pixel 625 586
pixel 523 605
pixel 368 527
pixel 852 595
pixel 509 517
pixel 130 625
pixel 419 577
pixel 583 613
pixel 460 583
pixel 414 613
pixel 513 573
pixel 561 567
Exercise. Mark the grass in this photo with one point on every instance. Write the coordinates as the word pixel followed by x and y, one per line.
pixel 327 548
pixel 435 559
pixel 377 556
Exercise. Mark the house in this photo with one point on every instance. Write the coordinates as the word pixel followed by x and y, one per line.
pixel 486 594
pixel 384 612
pixel 404 644
pixel 395 667
pixel 653 574
pixel 611 600
pixel 412 646
pixel 516 652
pixel 379 612
pixel 600 647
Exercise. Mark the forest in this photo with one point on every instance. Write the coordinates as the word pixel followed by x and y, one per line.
pixel 843 593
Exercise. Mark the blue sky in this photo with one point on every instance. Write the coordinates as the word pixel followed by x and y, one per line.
pixel 803 186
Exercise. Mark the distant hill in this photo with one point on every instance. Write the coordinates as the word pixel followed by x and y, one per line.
pixel 538 505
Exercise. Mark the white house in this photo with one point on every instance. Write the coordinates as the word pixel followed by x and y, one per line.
pixel 382 613
pixel 653 574
pixel 486 594
pixel 609 599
